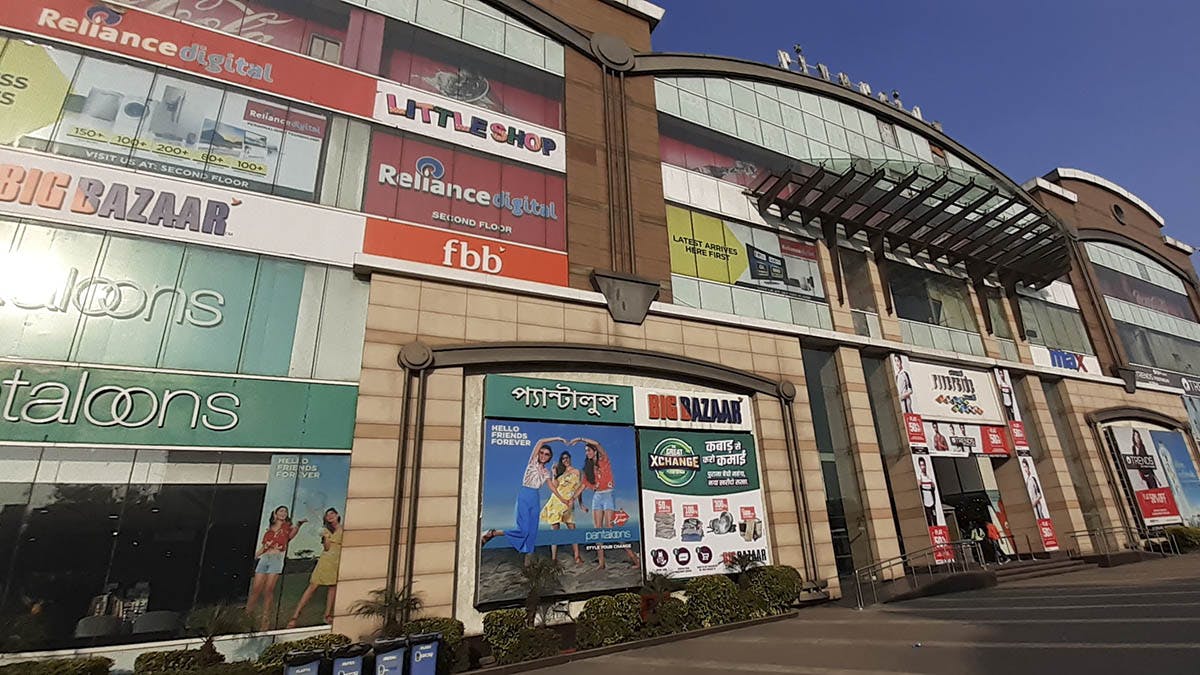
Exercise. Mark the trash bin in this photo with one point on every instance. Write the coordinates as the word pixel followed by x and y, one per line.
pixel 390 656
pixel 348 660
pixel 303 663
pixel 423 653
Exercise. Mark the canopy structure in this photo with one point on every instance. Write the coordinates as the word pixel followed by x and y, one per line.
pixel 950 214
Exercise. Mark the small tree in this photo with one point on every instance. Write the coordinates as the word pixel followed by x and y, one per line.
pixel 540 575
pixel 740 565
pixel 658 587
pixel 216 620
pixel 388 608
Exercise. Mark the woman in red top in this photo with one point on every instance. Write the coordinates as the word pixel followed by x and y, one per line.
pixel 598 477
pixel 280 532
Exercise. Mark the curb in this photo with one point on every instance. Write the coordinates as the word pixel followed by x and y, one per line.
pixel 625 646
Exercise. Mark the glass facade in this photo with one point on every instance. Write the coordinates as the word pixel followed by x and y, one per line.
pixel 104 546
pixel 935 310
pixel 847 514
pixel 1054 326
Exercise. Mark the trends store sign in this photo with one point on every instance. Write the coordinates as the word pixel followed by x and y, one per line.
pixel 47 188
pixel 107 406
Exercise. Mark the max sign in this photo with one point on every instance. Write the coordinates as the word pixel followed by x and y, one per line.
pixel 37 186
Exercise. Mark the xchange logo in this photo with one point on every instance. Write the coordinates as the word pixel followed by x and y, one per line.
pixel 674 462
pixel 108 16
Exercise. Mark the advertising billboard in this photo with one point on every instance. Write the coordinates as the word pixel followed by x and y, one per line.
pixel 562 481
pixel 1146 476
pixel 298 549
pixel 1179 467
pixel 931 505
pixel 1063 359
pixel 708 248
pixel 702 493
pixel 131 115
pixel 76 193
pixel 163 41
pixel 437 186
pixel 947 393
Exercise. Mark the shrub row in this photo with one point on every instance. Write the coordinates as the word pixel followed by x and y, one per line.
pixel 1187 538
pixel 86 666
pixel 613 619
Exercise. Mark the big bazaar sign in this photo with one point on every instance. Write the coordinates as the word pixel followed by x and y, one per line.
pixel 165 41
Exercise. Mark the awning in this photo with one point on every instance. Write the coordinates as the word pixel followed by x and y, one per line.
pixel 951 214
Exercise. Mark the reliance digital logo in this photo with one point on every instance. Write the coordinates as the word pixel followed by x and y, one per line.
pixel 100 23
pixel 427 177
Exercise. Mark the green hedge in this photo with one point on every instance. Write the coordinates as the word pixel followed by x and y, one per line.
pixel 273 655
pixel 608 620
pixel 511 641
pixel 670 616
pixel 236 668
pixel 1187 538
pixel 175 659
pixel 94 665
pixel 452 658
pixel 776 587
pixel 714 600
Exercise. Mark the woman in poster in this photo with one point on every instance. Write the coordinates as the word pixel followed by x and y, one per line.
pixel 598 476
pixel 326 571
pixel 1139 450
pixel 271 554
pixel 560 507
pixel 523 536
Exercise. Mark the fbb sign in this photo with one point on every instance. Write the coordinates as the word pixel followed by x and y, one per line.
pixel 431 246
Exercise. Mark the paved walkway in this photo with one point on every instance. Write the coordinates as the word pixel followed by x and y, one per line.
pixel 1142 618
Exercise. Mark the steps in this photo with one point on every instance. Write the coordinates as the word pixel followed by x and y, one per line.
pixel 1039 568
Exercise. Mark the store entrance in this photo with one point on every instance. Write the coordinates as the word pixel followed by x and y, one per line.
pixel 969 489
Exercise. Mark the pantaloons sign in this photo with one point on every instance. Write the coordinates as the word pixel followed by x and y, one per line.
pixel 103 406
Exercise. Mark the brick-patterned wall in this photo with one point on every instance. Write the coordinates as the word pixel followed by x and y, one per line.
pixel 403 310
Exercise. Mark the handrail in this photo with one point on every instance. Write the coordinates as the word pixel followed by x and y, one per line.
pixel 1146 539
pixel 965 554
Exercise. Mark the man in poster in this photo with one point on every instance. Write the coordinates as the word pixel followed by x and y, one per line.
pixel 904 384
pixel 1034 488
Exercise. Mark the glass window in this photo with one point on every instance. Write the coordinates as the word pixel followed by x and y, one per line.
pixel 921 295
pixel 856 274
pixel 121 545
pixel 1151 348
pixel 995 308
pixel 1054 326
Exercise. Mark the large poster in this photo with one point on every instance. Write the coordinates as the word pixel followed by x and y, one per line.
pixel 708 248
pixel 701 491
pixel 438 186
pixel 947 393
pixel 560 486
pixel 931 505
pixel 1147 478
pixel 1179 467
pixel 299 544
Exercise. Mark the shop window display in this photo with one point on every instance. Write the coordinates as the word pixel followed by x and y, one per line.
pixel 155 534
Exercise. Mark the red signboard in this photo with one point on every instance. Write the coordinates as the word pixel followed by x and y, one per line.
pixel 994 441
pixel 915 428
pixel 417 182
pixel 431 246
pixel 1049 538
pixel 168 42
pixel 942 551
pixel 1157 503
pixel 1020 441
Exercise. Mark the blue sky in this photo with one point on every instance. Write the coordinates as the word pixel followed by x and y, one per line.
pixel 1104 86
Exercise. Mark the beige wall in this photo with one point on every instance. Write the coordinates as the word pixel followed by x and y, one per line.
pixel 403 310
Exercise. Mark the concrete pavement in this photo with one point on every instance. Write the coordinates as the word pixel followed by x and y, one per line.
pixel 1131 619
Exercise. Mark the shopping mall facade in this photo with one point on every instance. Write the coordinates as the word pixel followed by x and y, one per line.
pixel 445 236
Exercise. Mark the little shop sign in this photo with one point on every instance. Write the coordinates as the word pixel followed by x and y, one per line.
pixel 108 406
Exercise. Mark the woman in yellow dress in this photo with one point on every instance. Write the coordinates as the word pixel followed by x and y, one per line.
pixel 560 507
pixel 326 571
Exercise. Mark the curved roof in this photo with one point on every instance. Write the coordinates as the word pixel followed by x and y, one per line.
pixel 1063 173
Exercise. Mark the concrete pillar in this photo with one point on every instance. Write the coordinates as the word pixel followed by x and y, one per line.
pixel 888 323
pixel 843 321
pixel 880 533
